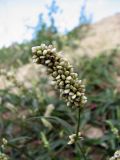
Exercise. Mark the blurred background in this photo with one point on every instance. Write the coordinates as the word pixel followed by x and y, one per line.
pixel 34 120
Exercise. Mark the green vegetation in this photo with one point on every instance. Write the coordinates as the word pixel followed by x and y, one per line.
pixel 37 123
pixel 31 137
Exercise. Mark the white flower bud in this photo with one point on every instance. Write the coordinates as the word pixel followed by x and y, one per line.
pixel 35 60
pixel 60 71
pixel 59 67
pixel 71 142
pixel 63 77
pixel 50 46
pixel 42 57
pixel 69 78
pixel 54 74
pixel 78 94
pixel 74 75
pixel 67 86
pixel 68 104
pixel 84 101
pixel 61 83
pixel 67 73
pixel 38 47
pixel 62 63
pixel 84 97
pixel 82 86
pixel 61 90
pixel 58 77
pixel 48 50
pixel 47 61
pixel 72 136
pixel 34 49
pixel 74 96
pixel 71 94
pixel 67 91
pixel 34 56
pixel 53 50
pixel 43 46
pixel 67 82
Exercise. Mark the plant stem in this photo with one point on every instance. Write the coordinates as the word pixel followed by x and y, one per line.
pixel 78 125
pixel 82 151
pixel 77 134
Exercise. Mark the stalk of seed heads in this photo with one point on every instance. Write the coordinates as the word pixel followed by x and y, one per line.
pixel 116 156
pixel 66 80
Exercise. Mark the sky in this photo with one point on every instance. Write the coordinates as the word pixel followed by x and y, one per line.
pixel 16 15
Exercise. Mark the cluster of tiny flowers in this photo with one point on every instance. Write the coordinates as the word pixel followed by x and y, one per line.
pixel 70 87
pixel 116 156
pixel 73 138
pixel 3 156
pixel 4 143
pixel 10 76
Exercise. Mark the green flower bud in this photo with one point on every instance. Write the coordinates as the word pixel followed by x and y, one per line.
pixel 67 73
pixel 49 70
pixel 60 71
pixel 59 67
pixel 67 86
pixel 74 75
pixel 54 74
pixel 78 94
pixel 63 77
pixel 56 63
pixel 39 52
pixel 58 81
pixel 44 52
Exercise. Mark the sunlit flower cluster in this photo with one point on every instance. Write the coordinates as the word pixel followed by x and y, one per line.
pixel 116 156
pixel 3 156
pixel 73 138
pixel 66 80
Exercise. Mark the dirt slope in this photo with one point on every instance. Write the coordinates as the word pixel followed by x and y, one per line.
pixel 103 35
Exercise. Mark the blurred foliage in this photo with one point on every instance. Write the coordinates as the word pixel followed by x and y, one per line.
pixel 15 55
pixel 84 18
